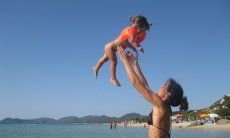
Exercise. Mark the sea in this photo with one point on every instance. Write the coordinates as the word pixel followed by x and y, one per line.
pixel 95 131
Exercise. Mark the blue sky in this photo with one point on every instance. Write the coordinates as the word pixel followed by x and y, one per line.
pixel 48 49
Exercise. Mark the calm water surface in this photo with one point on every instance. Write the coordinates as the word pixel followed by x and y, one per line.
pixel 94 131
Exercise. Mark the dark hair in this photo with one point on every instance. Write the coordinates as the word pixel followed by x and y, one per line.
pixel 141 21
pixel 177 93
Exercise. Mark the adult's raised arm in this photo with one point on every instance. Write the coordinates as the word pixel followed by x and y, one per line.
pixel 134 63
pixel 145 92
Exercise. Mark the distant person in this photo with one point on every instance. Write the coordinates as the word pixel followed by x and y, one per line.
pixel 170 94
pixel 130 36
pixel 111 125
pixel 125 123
pixel 115 125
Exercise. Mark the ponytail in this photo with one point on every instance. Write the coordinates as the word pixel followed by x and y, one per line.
pixel 184 104
pixel 176 97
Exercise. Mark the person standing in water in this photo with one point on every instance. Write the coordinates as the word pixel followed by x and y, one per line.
pixel 129 37
pixel 169 94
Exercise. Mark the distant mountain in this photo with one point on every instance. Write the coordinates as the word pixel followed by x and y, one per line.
pixel 74 119
pixel 45 120
pixel 98 119
pixel 69 119
pixel 87 119
pixel 29 121
pixel 131 116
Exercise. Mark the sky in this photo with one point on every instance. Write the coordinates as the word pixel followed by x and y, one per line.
pixel 48 49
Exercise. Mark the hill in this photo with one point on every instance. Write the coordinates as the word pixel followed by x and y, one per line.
pixel 220 107
pixel 29 121
pixel 224 102
pixel 74 119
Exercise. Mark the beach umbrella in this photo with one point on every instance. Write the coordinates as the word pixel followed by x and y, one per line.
pixel 179 115
pixel 214 115
pixel 204 116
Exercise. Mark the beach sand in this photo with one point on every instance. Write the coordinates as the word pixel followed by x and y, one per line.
pixel 212 127
pixel 184 125
pixel 206 127
pixel 181 125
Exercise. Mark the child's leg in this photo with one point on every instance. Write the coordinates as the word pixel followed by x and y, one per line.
pixel 100 62
pixel 111 53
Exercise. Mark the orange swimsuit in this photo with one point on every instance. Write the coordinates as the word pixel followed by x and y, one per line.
pixel 131 32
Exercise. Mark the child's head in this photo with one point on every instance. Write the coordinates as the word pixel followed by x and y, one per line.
pixel 141 21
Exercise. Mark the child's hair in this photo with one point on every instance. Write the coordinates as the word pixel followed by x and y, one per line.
pixel 177 93
pixel 141 21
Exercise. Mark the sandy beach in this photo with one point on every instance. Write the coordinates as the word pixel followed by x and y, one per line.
pixel 206 127
pixel 212 127
pixel 184 125
pixel 181 125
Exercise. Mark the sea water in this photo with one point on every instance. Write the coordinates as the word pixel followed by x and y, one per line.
pixel 94 131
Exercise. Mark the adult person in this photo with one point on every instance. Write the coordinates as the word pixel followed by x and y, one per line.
pixel 170 94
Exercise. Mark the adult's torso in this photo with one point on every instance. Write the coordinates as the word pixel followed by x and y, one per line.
pixel 161 123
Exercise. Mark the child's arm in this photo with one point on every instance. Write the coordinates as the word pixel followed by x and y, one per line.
pixel 141 49
pixel 140 39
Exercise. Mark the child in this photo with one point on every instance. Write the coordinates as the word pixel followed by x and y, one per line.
pixel 132 35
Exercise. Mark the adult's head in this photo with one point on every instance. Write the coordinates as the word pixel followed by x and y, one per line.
pixel 141 22
pixel 172 93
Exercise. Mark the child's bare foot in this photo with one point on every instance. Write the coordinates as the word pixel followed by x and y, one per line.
pixel 115 82
pixel 95 71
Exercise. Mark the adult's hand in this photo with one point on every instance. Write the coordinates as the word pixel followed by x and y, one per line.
pixel 122 54
pixel 132 59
